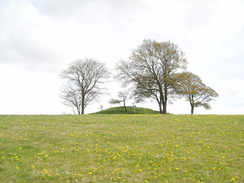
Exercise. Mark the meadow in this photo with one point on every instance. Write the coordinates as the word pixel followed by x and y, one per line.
pixel 121 148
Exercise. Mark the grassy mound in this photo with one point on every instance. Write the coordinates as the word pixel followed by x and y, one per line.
pixel 130 110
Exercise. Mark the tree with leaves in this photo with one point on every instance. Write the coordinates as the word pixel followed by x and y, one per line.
pixel 150 69
pixel 84 83
pixel 192 88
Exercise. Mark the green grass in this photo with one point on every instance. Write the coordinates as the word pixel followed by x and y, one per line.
pixel 130 110
pixel 121 148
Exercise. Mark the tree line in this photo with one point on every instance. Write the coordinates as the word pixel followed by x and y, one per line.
pixel 156 70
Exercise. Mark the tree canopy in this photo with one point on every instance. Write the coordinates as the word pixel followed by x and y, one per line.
pixel 191 87
pixel 150 69
pixel 84 83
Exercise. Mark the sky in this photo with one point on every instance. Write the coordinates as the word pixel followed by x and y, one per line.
pixel 39 38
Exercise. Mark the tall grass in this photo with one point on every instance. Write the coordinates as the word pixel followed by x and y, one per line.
pixel 121 148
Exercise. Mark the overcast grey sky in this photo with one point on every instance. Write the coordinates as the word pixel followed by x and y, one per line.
pixel 38 38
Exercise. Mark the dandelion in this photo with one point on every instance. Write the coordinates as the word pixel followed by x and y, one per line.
pixel 233 179
pixel 46 171
pixel 117 169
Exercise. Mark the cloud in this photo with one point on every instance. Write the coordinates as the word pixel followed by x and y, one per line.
pixel 221 27
pixel 34 34
pixel 19 43
pixel 42 36
pixel 86 8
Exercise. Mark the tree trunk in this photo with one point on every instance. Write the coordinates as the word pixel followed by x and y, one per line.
pixel 82 110
pixel 160 108
pixel 164 108
pixel 83 103
pixel 163 101
pixel 160 105
pixel 192 109
pixel 78 109
pixel 124 106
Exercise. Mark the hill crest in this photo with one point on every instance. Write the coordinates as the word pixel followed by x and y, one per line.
pixel 130 110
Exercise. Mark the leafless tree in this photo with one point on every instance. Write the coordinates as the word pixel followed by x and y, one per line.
pixel 123 96
pixel 84 83
pixel 150 69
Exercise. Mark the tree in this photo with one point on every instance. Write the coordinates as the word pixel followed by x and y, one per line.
pixel 72 97
pixel 191 87
pixel 150 69
pixel 123 96
pixel 84 83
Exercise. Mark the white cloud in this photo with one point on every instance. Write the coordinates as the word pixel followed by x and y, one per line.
pixel 39 37
pixel 18 42
pixel 221 27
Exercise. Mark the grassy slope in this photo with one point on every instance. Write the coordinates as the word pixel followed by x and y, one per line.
pixel 130 110
pixel 121 148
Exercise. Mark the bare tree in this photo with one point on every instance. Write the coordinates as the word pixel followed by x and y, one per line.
pixel 123 96
pixel 71 97
pixel 150 69
pixel 84 83
pixel 191 87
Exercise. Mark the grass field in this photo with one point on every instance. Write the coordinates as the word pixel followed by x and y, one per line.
pixel 121 148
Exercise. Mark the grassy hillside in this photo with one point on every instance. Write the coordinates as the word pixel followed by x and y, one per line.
pixel 130 110
pixel 121 148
